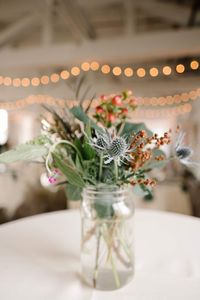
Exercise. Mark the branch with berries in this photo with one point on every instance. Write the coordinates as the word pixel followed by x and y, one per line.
pixel 114 109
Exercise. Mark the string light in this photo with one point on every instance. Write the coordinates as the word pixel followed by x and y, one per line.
pixel 54 77
pixel 180 68
pixel 25 82
pixel 44 79
pixel 147 113
pixel 194 65
pixel 35 81
pixel 167 70
pixel 141 72
pixel 128 72
pixel 153 72
pixel 85 66
pixel 168 100
pixel 7 81
pixel 94 66
pixel 16 82
pixel 75 71
pixel 117 71
pixel 105 69
pixel 160 113
pixel 64 74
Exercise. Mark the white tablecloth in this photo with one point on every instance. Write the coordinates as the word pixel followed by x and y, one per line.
pixel 39 259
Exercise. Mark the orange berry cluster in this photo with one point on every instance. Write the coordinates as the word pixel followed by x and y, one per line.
pixel 147 182
pixel 142 152
pixel 114 109
pixel 139 154
pixel 160 158
pixel 160 141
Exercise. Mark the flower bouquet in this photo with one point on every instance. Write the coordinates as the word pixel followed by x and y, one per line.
pixel 101 157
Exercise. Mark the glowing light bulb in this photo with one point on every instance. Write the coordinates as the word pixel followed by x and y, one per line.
pixel 141 72
pixel 194 65
pixel 94 66
pixel 167 70
pixel 35 81
pixel 105 69
pixel 16 82
pixel 64 74
pixel 75 71
pixel 85 66
pixel 117 71
pixel 153 72
pixel 7 81
pixel 45 79
pixel 180 68
pixel 55 77
pixel 25 82
pixel 128 72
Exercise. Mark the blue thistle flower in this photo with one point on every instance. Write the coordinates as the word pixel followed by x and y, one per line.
pixel 101 142
pixel 182 152
pixel 113 147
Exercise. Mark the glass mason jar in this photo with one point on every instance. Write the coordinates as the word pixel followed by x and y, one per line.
pixel 107 253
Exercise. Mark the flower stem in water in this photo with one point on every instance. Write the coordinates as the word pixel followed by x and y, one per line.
pixel 96 269
pixel 116 170
pixel 101 167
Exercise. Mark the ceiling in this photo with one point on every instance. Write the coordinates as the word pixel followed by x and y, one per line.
pixel 48 35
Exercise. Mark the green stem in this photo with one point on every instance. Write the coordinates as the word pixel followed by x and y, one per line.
pixel 53 147
pixel 116 170
pixel 124 246
pixel 67 143
pixel 101 167
pixel 116 277
pixel 96 269
pixel 121 127
pixel 108 239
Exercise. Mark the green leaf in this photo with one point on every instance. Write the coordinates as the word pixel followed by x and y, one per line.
pixel 71 174
pixel 130 128
pixel 78 112
pixel 73 192
pixel 104 209
pixel 25 152
pixel 78 163
pixel 88 130
pixel 85 149
pixel 88 152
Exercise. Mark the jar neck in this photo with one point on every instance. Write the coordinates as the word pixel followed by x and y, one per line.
pixel 105 193
pixel 107 202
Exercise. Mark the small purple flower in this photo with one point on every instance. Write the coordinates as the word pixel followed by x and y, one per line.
pixel 53 176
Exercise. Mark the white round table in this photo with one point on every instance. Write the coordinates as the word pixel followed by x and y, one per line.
pixel 39 259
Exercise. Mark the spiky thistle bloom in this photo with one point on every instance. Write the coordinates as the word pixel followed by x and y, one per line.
pixel 182 152
pixel 102 142
pixel 118 151
pixel 113 148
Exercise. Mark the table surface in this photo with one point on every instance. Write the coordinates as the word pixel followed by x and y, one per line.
pixel 39 259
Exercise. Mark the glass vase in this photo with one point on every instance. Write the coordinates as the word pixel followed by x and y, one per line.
pixel 107 253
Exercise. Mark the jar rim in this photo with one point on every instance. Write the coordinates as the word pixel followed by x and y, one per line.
pixel 99 188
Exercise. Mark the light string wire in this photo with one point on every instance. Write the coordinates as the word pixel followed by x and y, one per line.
pixel 105 69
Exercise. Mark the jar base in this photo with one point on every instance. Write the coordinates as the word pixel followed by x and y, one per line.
pixel 106 280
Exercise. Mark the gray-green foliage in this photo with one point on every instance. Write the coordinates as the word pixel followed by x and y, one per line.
pixel 72 175
pixel 25 152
